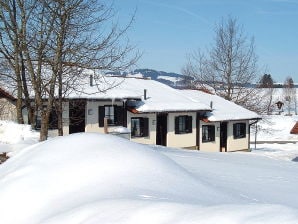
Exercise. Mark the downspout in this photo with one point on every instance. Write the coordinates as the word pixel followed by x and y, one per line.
pixel 198 131
pixel 256 121
pixel 124 112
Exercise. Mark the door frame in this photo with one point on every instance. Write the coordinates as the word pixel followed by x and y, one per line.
pixel 161 128
pixel 223 137
pixel 77 116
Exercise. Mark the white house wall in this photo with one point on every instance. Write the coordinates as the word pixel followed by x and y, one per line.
pixel 181 140
pixel 240 143
pixel 151 139
pixel 8 110
pixel 210 146
pixel 91 115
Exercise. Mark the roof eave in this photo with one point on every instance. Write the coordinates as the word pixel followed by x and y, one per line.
pixel 172 111
pixel 238 119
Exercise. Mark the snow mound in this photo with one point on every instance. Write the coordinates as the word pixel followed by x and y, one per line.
pixel 64 173
pixel 91 178
pixel 14 137
pixel 11 132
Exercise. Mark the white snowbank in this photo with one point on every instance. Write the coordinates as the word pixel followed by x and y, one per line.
pixel 94 178
pixel 121 130
pixel 14 137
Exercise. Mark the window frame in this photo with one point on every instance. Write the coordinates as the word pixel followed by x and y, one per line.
pixel 111 114
pixel 143 123
pixel 183 124
pixel 210 133
pixel 118 116
pixel 239 130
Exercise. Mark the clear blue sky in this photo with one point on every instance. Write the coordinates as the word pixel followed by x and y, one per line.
pixel 166 30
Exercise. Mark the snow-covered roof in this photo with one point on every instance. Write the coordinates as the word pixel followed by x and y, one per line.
pixel 222 110
pixel 160 97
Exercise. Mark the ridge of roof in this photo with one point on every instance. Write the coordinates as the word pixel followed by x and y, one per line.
pixel 4 93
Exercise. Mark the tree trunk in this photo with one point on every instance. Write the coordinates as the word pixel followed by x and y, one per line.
pixel 26 93
pixel 59 115
pixel 60 99
pixel 19 110
pixel 44 126
pixel 270 101
pixel 19 105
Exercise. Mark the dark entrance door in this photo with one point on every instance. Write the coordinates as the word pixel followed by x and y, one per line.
pixel 77 116
pixel 161 129
pixel 223 136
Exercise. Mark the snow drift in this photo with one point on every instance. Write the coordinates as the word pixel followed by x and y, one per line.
pixel 14 137
pixel 95 178
pixel 60 174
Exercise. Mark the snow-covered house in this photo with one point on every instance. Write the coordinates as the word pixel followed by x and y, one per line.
pixel 155 113
pixel 226 127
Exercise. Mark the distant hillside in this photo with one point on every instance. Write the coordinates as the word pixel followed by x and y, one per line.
pixel 168 78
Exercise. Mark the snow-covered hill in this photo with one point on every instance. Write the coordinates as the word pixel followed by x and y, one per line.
pixel 169 78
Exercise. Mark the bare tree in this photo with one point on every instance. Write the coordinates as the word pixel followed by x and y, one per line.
pixel 83 41
pixel 59 39
pixel 229 66
pixel 289 93
pixel 267 85
pixel 11 50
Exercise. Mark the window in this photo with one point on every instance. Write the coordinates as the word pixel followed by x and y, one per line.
pixel 114 114
pixel 239 130
pixel 183 124
pixel 110 114
pixel 139 127
pixel 208 133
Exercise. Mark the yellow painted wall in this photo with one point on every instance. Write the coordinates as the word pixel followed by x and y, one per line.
pixel 210 146
pixel 240 143
pixel 151 139
pixel 181 140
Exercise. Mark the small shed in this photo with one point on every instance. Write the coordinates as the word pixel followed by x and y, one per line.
pixel 295 129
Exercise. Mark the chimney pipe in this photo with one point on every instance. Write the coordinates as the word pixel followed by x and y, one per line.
pixel 145 94
pixel 211 105
pixel 91 80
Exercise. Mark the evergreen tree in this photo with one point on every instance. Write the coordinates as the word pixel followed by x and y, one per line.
pixel 266 81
